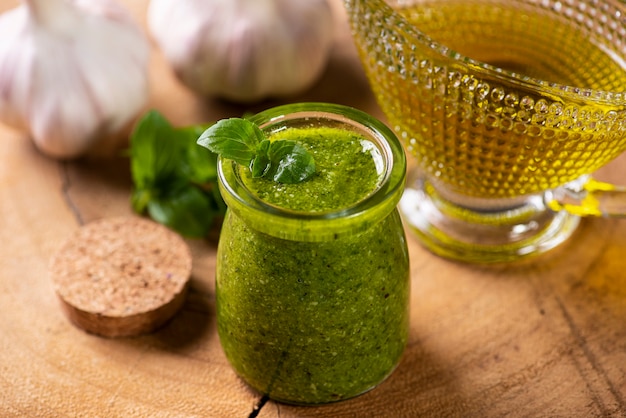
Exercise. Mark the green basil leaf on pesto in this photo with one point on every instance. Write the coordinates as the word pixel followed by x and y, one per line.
pixel 290 162
pixel 261 162
pixel 236 139
pixel 243 141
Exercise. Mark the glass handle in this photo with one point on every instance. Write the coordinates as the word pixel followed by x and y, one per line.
pixel 589 197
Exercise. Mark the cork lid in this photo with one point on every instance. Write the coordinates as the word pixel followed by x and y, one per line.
pixel 121 276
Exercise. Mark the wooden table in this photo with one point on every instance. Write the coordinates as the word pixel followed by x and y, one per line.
pixel 543 338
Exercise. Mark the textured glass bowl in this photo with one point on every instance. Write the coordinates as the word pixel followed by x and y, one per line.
pixel 507 107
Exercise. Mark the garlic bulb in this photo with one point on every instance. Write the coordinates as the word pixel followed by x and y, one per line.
pixel 244 50
pixel 71 72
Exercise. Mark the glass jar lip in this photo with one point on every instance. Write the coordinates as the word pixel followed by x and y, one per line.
pixel 559 89
pixel 297 224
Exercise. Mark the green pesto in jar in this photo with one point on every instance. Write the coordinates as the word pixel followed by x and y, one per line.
pixel 347 169
pixel 315 322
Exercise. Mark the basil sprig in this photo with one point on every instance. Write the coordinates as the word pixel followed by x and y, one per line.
pixel 175 180
pixel 241 140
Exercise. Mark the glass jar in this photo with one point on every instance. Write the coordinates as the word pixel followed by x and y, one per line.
pixel 313 302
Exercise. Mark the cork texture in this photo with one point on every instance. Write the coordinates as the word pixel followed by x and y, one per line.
pixel 121 276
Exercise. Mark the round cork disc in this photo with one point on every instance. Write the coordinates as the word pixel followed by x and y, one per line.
pixel 122 276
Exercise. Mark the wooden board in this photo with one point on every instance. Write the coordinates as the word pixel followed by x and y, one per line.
pixel 545 338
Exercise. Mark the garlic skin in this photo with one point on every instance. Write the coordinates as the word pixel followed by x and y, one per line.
pixel 244 50
pixel 72 72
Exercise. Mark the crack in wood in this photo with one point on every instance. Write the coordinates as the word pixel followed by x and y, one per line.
pixel 594 363
pixel 265 398
pixel 257 408
pixel 66 185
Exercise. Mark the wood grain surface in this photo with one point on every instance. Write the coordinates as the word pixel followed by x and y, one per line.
pixel 546 338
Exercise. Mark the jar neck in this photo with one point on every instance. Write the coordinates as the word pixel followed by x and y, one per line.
pixel 319 226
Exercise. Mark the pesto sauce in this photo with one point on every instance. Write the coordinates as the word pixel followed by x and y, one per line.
pixel 347 169
pixel 315 322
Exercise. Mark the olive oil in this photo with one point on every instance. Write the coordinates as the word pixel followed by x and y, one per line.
pixel 475 128
pixel 524 38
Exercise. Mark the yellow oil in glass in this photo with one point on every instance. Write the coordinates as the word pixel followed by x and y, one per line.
pixel 528 40
pixel 489 136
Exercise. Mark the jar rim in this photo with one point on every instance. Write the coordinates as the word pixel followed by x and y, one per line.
pixel 313 226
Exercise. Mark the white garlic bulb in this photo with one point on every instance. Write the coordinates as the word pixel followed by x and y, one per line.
pixel 244 50
pixel 71 72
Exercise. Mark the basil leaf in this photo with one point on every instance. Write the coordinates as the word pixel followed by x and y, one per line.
pixel 259 166
pixel 244 142
pixel 198 163
pixel 185 209
pixel 140 199
pixel 175 181
pixel 290 162
pixel 234 138
pixel 151 156
pixel 261 162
